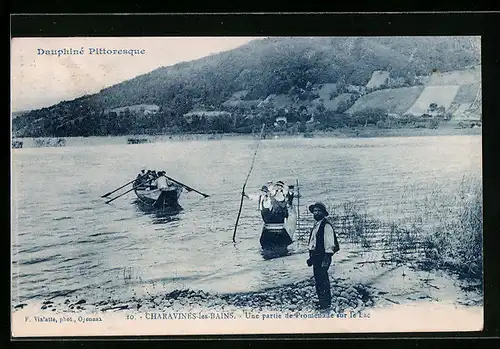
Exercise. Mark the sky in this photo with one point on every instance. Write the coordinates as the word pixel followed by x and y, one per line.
pixel 41 80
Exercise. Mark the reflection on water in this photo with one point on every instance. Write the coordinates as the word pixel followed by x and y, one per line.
pixel 275 253
pixel 166 214
pixel 65 238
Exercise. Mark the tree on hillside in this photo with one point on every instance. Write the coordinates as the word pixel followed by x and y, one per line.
pixel 369 116
pixel 264 67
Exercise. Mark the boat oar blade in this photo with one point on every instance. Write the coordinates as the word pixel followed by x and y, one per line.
pixel 113 199
pixel 111 192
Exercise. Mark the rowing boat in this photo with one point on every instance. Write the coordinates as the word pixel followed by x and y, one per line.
pixel 159 198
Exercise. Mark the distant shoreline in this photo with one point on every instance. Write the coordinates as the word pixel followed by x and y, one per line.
pixel 370 132
pixel 362 132
pixel 367 132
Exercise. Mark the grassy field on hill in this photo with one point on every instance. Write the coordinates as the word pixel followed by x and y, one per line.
pixel 285 67
pixel 391 100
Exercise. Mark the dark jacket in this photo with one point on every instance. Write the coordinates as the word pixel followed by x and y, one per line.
pixel 319 251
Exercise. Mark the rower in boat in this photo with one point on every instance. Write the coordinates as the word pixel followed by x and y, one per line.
pixel 153 177
pixel 142 178
pixel 160 192
pixel 162 182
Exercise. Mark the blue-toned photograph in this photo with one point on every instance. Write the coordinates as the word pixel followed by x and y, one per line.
pixel 254 180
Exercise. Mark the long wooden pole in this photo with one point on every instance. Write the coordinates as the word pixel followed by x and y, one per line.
pixel 298 207
pixel 245 184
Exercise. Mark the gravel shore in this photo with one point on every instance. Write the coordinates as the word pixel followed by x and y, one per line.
pixel 292 297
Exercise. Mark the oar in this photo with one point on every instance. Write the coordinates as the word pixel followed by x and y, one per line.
pixel 111 192
pixel 188 188
pixel 128 191
pixel 244 185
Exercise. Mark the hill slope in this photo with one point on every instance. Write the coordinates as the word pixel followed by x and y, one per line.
pixel 262 67
pixel 390 100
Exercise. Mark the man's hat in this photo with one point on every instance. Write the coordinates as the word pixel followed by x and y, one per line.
pixel 319 205
pixel 280 183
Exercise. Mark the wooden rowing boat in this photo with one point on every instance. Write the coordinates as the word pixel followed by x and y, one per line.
pixel 159 198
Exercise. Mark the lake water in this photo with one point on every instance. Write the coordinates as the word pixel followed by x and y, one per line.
pixel 66 239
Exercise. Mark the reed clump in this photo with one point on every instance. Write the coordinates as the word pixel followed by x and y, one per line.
pixel 457 241
pixel 354 224
pixel 445 232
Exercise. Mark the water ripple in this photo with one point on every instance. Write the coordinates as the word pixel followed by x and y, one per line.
pixel 39 260
pixel 85 241
pixel 105 233
pixel 63 218
pixel 82 244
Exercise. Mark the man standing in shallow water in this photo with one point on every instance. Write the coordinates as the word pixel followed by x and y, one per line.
pixel 323 245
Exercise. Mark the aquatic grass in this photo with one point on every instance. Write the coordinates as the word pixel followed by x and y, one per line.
pixel 444 232
pixel 403 242
pixel 457 241
pixel 444 229
pixel 353 223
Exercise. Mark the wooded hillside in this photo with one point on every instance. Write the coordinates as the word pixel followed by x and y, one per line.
pixel 292 67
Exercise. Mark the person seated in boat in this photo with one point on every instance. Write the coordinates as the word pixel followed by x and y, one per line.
pixel 141 179
pixel 152 179
pixel 162 182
